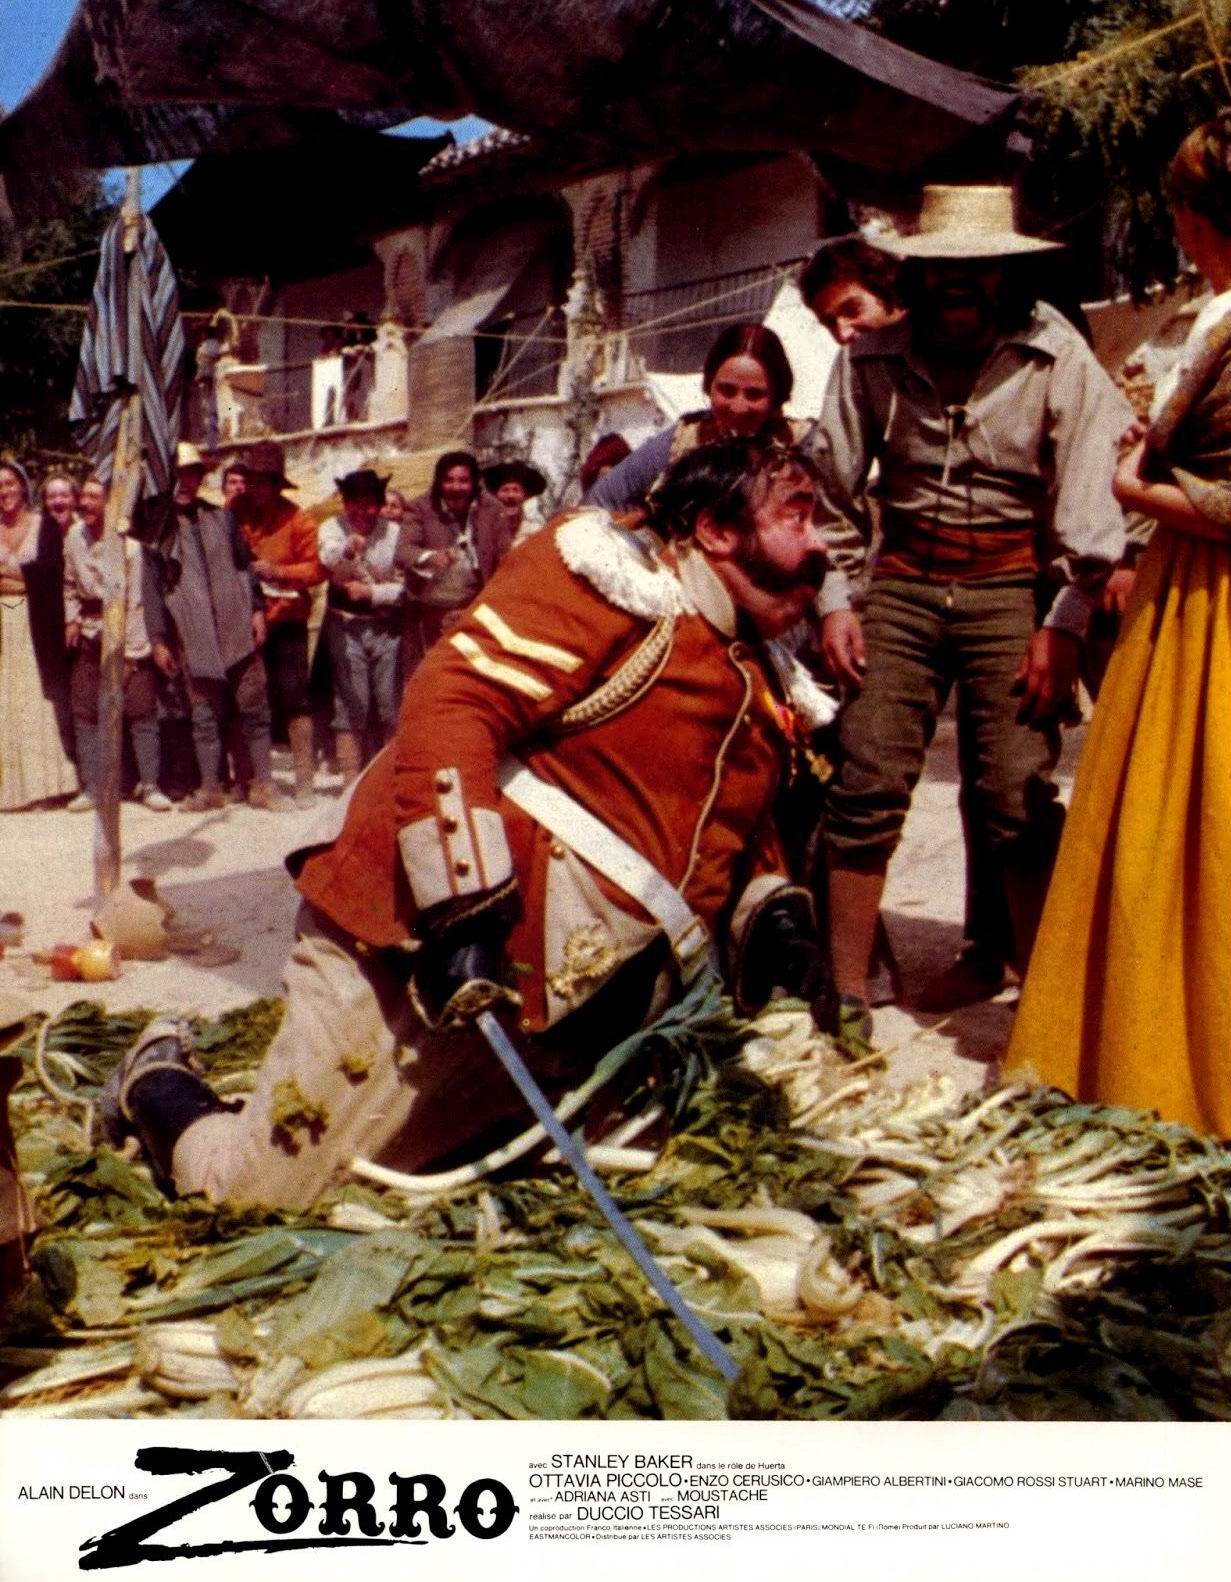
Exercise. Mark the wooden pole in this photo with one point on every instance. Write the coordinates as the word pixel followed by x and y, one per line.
pixel 121 502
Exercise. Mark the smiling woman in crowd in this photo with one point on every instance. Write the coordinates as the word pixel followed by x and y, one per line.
pixel 748 379
pixel 60 499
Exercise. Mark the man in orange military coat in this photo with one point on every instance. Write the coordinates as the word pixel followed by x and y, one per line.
pixel 578 801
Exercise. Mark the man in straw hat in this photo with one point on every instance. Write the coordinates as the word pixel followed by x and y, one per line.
pixel 206 620
pixel 996 432
pixel 282 541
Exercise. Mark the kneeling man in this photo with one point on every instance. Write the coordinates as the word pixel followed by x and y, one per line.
pixel 574 818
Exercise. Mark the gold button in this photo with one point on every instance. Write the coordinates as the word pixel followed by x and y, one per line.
pixel 450 825
pixel 525 1024
pixel 444 782
pixel 556 849
pixel 461 867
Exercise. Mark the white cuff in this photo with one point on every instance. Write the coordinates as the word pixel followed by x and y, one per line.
pixel 1070 611
pixel 835 593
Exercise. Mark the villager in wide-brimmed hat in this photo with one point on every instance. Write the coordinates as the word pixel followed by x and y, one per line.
pixel 365 483
pixel 965 222
pixel 363 618
pixel 267 459
pixel 281 539
pixel 513 483
pixel 206 625
pixel 996 435
pixel 530 478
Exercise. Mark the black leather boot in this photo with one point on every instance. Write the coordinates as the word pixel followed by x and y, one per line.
pixel 155 1094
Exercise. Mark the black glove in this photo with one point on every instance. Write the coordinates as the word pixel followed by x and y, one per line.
pixel 459 967
pixel 782 950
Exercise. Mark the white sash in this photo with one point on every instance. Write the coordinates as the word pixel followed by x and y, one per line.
pixel 615 859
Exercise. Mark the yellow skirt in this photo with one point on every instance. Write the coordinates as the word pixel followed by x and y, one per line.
pixel 1128 997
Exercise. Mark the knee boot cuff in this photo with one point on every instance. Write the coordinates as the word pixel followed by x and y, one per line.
pixel 162 1104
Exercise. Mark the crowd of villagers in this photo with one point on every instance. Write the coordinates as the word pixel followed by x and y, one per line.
pixel 976 511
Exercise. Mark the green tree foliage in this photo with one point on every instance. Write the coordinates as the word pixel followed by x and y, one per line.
pixel 1138 77
pixel 1114 84
pixel 39 346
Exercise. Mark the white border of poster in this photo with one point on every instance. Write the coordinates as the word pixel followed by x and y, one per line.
pixel 905 1502
pixel 878 1502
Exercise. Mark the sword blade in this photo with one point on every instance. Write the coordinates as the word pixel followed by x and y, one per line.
pixel 506 1052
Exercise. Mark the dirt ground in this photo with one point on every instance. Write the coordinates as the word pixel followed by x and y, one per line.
pixel 223 872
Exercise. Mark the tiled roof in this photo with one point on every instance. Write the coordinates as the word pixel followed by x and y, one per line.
pixel 497 141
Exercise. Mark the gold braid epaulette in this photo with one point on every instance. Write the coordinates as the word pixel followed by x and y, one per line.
pixel 635 676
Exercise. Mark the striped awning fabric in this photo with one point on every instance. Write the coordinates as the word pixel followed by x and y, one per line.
pixel 111 366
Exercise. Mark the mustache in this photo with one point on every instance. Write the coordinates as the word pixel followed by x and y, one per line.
pixel 810 573
pixel 961 293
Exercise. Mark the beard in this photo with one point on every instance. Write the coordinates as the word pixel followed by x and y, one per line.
pixel 957 313
pixel 773 579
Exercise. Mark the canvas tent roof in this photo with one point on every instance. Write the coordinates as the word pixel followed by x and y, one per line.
pixel 293 211
pixel 146 80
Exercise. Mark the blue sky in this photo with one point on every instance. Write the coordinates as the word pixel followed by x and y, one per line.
pixel 30 32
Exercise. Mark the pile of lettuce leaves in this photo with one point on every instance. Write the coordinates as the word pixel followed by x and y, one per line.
pixel 519 1302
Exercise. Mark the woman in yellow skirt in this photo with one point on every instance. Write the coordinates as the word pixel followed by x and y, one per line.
pixel 1128 997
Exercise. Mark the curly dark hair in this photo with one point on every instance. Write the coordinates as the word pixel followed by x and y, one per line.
pixel 763 346
pixel 851 258
pixel 1199 175
pixel 446 463
pixel 722 479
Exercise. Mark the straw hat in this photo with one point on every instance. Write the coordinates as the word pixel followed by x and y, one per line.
pixel 187 455
pixel 965 222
